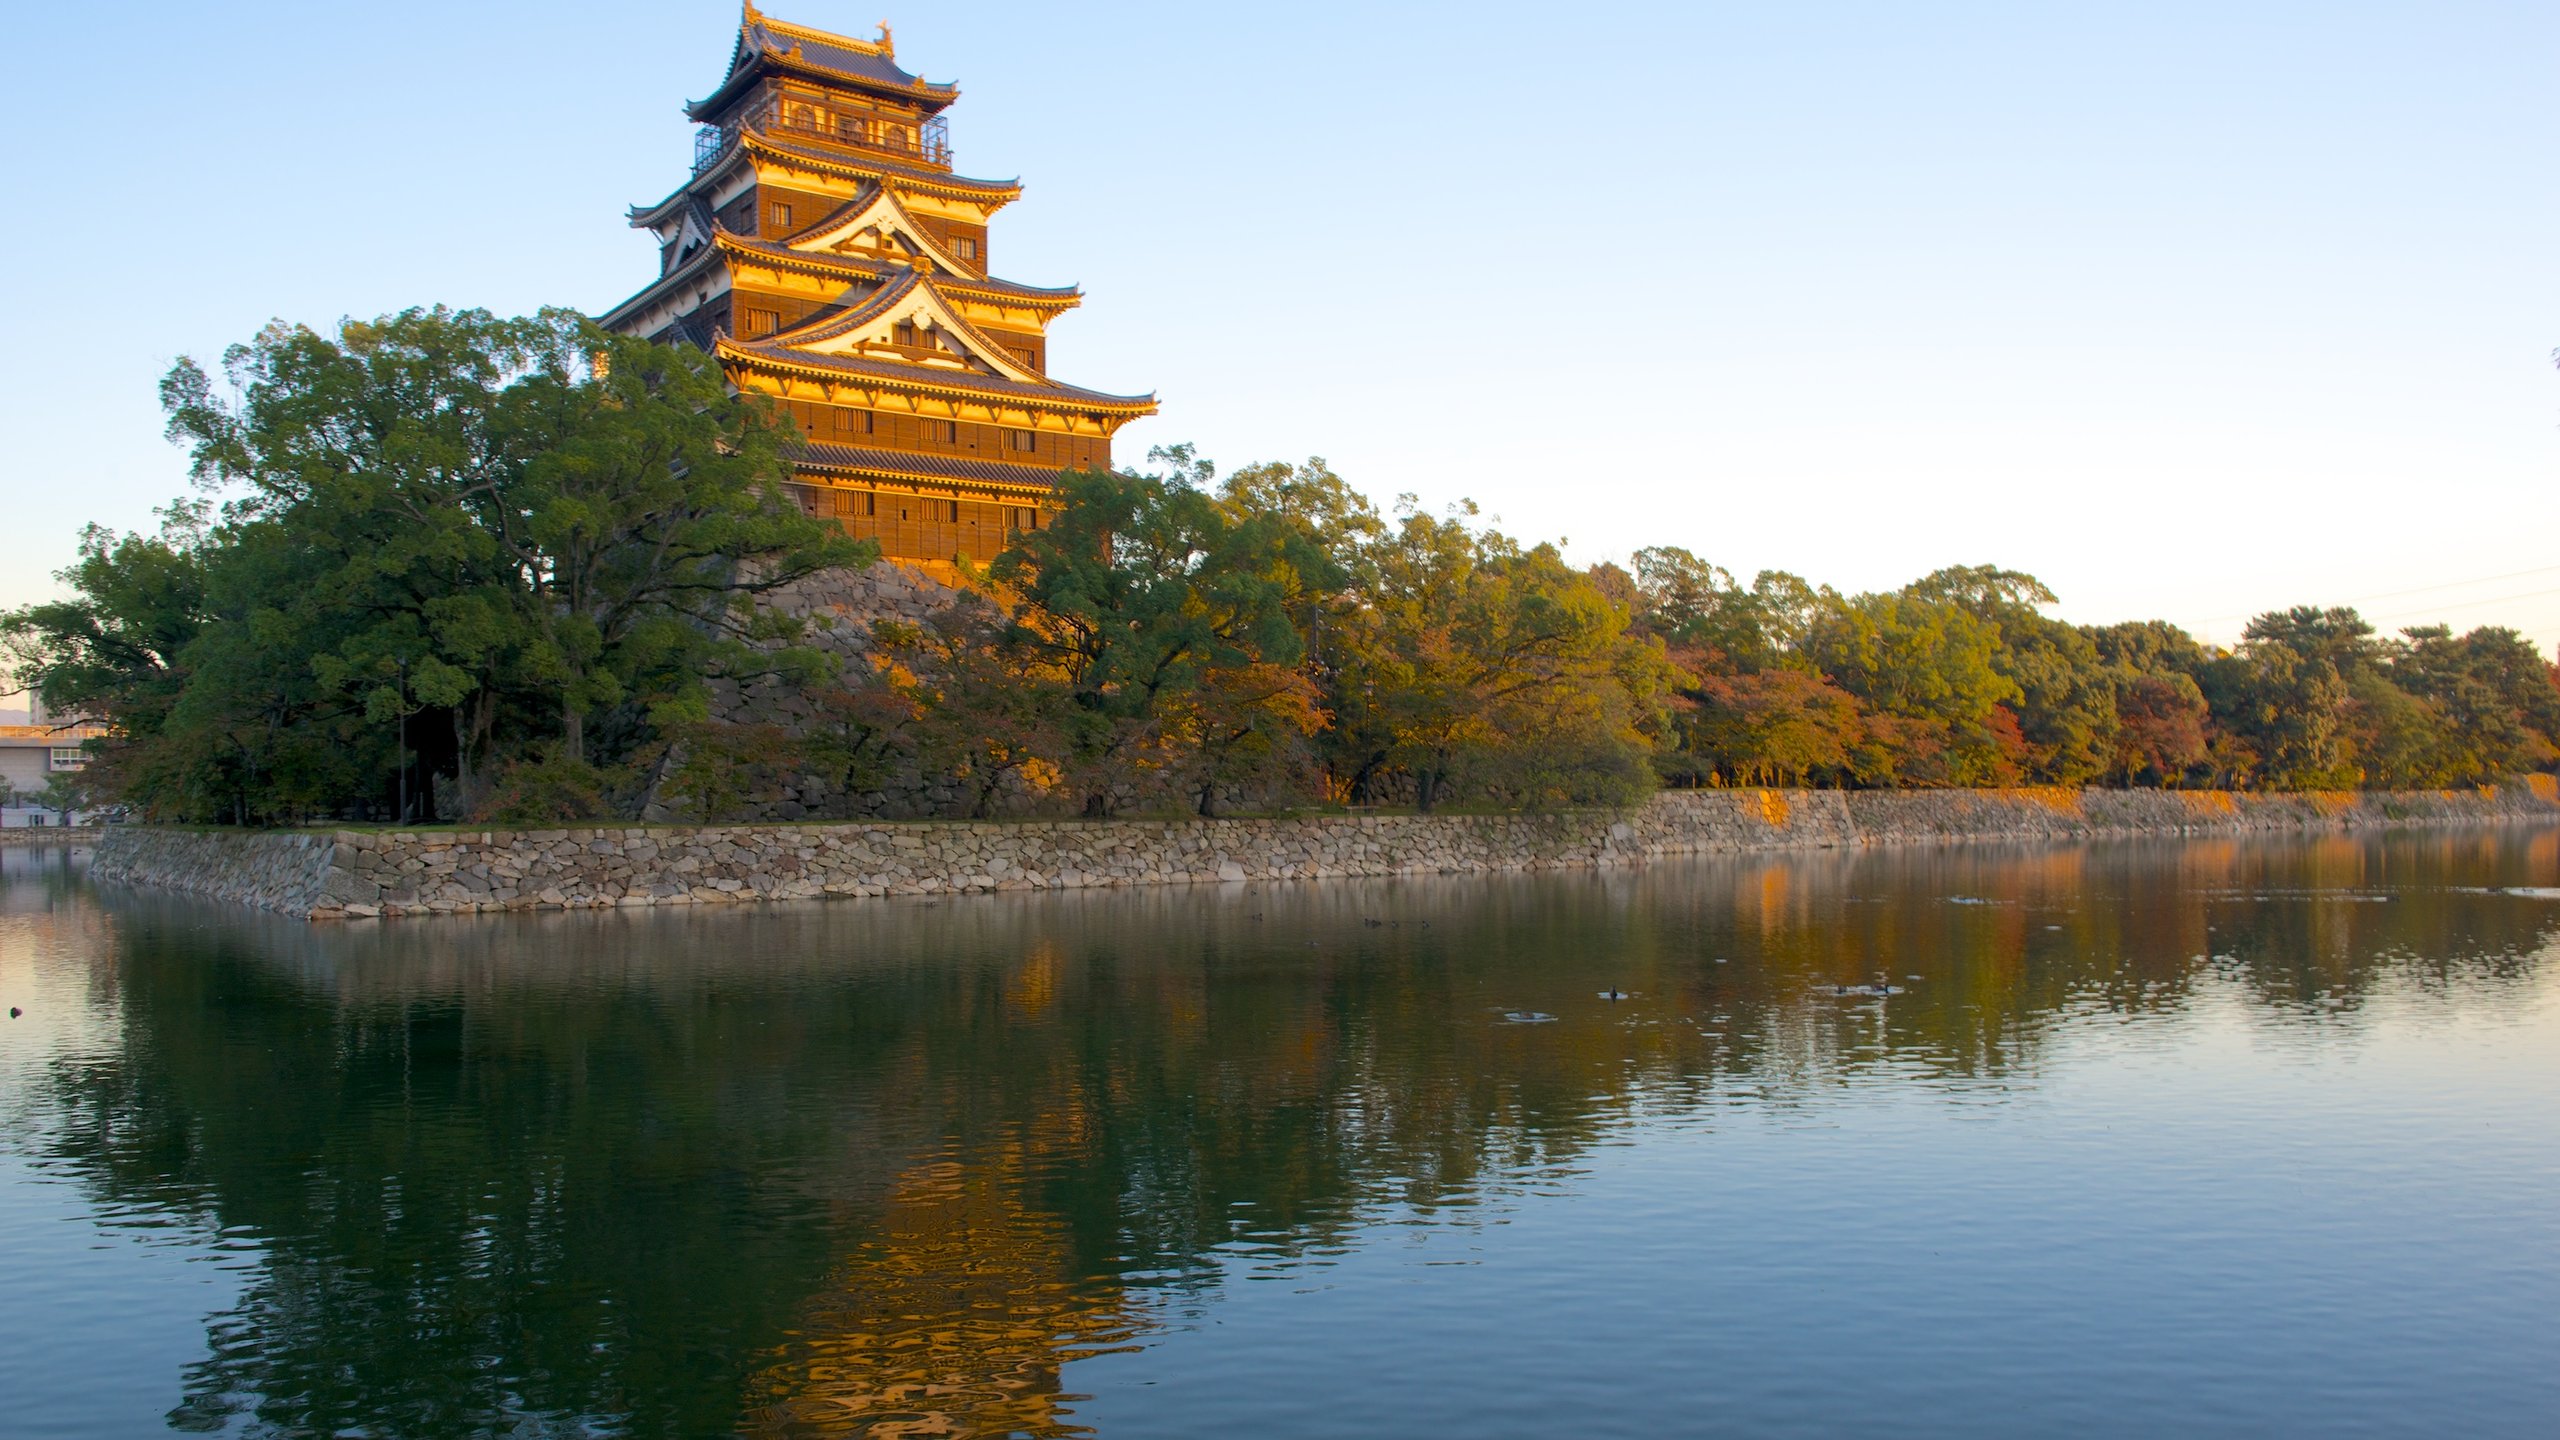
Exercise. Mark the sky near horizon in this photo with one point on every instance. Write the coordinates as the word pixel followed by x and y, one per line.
pixel 2192 310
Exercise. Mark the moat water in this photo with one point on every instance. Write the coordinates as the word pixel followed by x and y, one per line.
pixel 2198 1138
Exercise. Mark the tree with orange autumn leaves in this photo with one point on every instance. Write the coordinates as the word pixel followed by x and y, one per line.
pixel 1269 639
pixel 1960 678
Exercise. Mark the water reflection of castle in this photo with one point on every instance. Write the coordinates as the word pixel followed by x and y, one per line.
pixel 953 1317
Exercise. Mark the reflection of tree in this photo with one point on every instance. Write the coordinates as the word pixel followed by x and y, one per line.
pixel 822 1168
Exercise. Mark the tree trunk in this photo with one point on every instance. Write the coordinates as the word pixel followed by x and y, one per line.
pixel 471 721
pixel 573 732
pixel 1426 788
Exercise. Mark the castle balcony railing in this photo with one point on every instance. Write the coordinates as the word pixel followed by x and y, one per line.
pixel 928 141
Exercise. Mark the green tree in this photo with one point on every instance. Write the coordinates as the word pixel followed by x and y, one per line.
pixel 1932 664
pixel 517 526
pixel 2066 705
pixel 2282 718
pixel 2494 694
pixel 1700 610
pixel 1503 671
pixel 650 518
pixel 1143 589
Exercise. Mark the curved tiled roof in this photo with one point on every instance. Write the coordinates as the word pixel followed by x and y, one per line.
pixel 764 43
pixel 919 377
pixel 831 263
pixel 847 165
pixel 854 166
pixel 870 460
pixel 689 269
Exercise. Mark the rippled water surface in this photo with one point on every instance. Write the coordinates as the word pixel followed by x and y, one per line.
pixel 2219 1138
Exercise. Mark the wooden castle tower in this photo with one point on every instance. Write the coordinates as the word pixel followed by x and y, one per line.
pixel 825 251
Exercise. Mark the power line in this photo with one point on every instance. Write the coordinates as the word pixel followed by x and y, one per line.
pixel 2457 584
pixel 2425 590
pixel 2464 605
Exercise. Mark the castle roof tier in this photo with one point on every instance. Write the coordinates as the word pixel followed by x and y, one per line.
pixel 823 249
pixel 769 47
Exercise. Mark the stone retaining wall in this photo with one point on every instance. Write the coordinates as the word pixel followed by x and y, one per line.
pixel 362 874
pixel 48 835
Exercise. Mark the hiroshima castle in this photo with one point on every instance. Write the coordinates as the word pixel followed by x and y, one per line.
pixel 825 251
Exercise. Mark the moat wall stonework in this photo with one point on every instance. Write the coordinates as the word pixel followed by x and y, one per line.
pixel 360 874
pixel 34 835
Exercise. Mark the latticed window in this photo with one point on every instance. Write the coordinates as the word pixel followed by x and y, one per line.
pixel 66 757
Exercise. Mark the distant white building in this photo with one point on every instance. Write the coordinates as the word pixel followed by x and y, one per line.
pixel 30 756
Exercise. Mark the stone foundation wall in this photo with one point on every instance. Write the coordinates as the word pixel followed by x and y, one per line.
pixel 290 871
pixel 444 872
pixel 363 874
pixel 49 835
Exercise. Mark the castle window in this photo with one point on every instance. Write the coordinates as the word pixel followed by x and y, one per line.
pixel 763 322
pixel 965 248
pixel 854 422
pixel 955 512
pixel 906 332
pixel 946 431
pixel 1023 440
pixel 1025 518
pixel 781 216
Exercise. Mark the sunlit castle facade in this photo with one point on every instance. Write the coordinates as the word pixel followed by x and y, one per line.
pixel 825 251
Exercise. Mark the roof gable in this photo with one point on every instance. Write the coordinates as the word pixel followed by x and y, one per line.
pixel 910 300
pixel 881 214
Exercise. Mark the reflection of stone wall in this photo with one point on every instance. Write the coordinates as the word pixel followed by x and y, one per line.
pixel 368 873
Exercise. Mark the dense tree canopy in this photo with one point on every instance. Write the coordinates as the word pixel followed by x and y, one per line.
pixel 515 549
pixel 501 568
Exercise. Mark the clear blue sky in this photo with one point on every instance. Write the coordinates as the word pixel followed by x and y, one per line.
pixel 2192 309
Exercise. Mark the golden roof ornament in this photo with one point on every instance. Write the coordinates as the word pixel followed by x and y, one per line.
pixel 888 43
